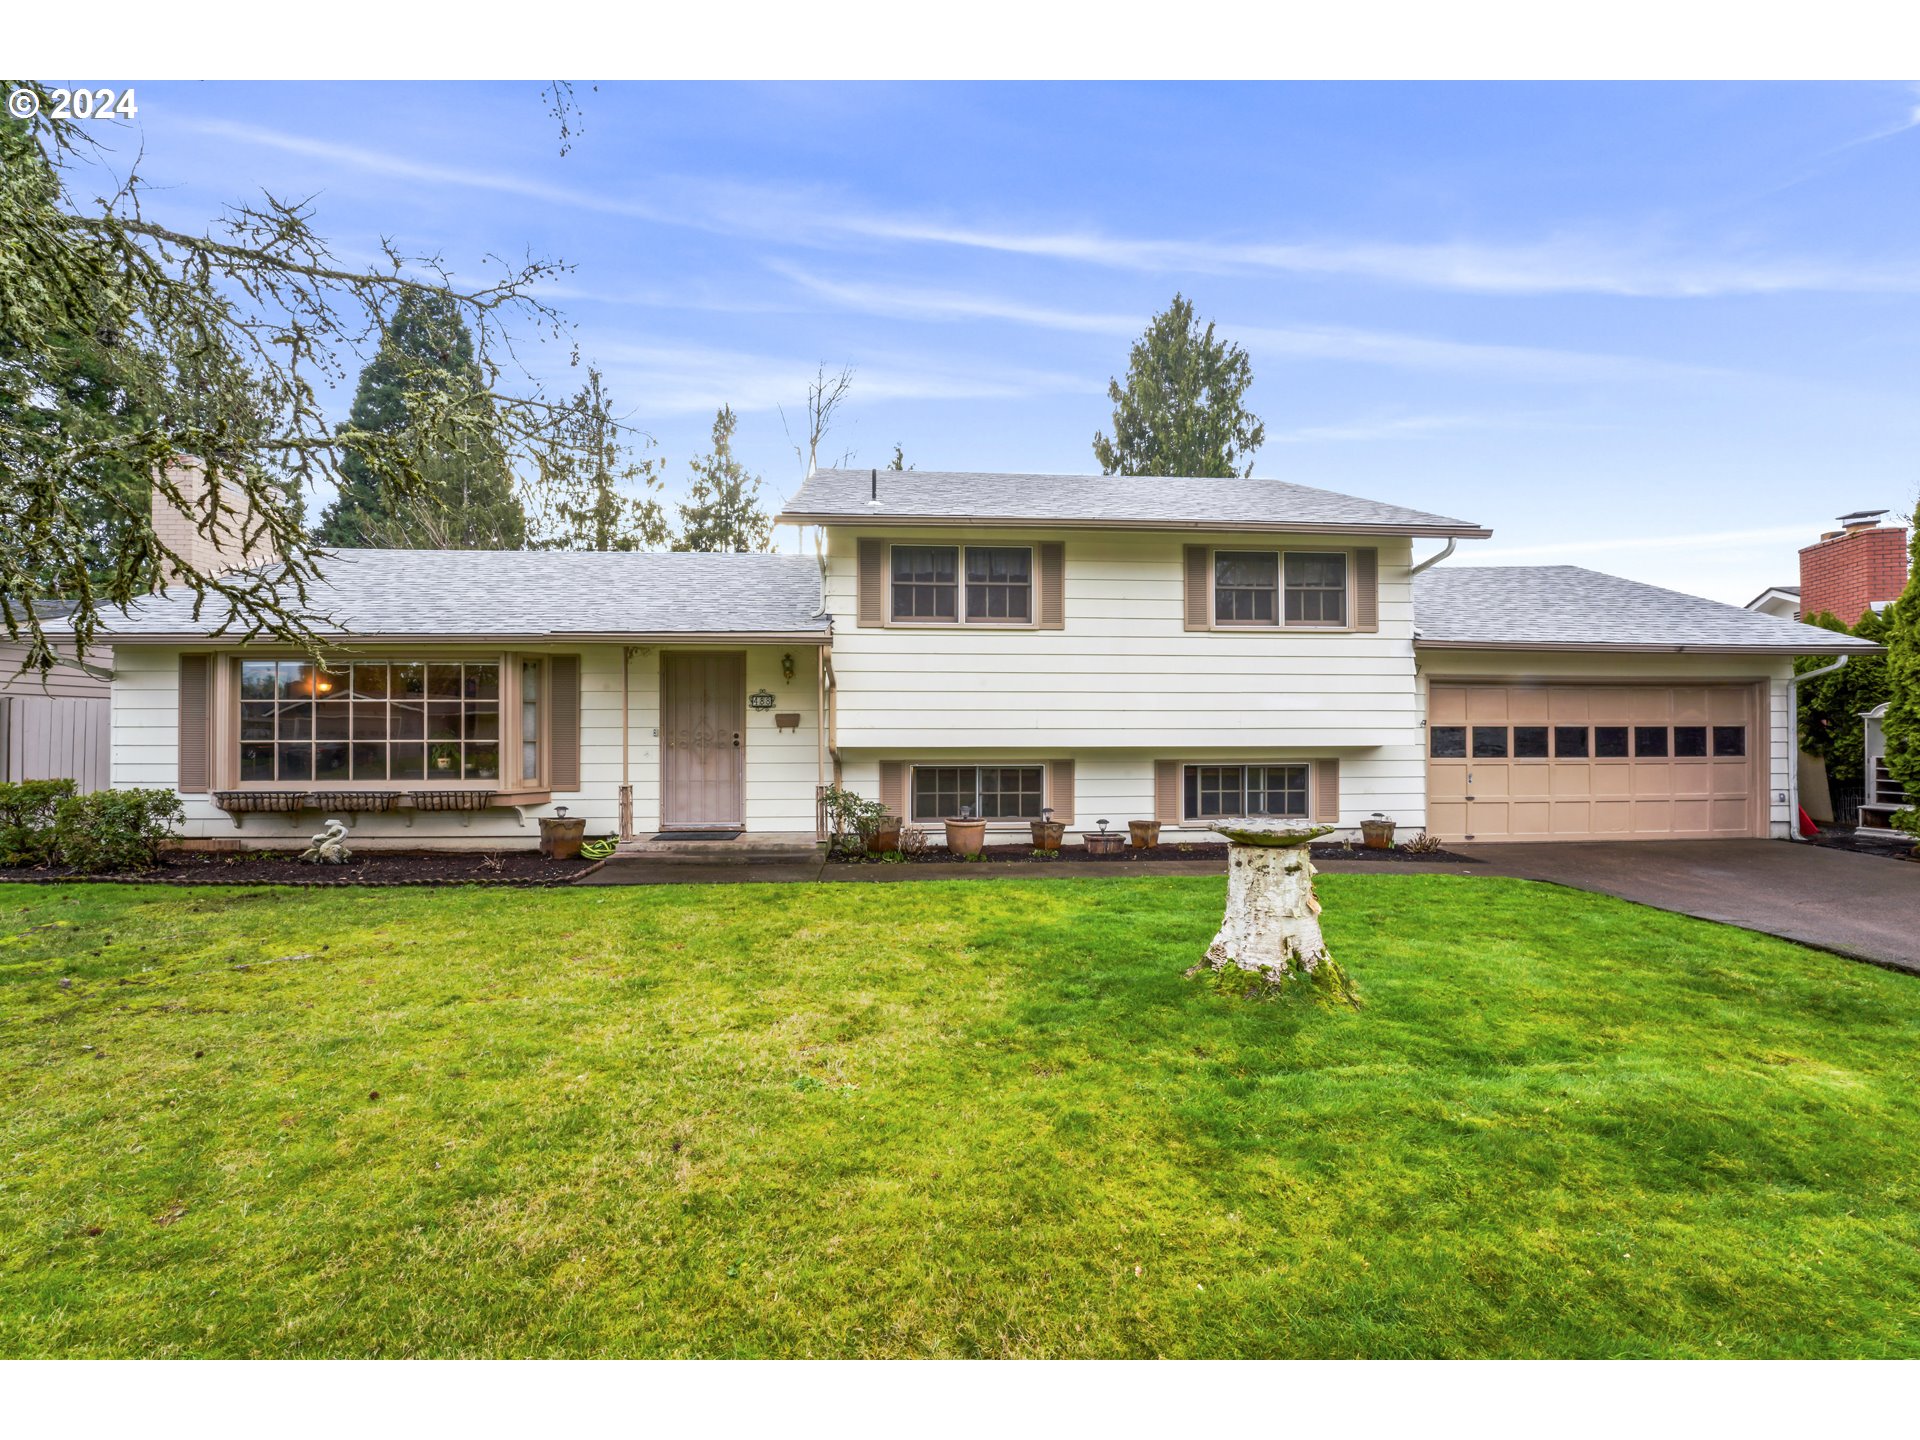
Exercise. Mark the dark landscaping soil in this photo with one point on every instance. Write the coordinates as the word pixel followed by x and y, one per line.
pixel 1078 855
pixel 521 868
pixel 1842 838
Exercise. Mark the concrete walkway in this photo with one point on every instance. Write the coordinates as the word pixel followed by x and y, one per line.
pixel 1866 907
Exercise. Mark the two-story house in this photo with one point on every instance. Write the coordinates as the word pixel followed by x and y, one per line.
pixel 1101 647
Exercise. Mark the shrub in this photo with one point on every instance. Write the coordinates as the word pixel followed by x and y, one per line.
pixel 26 819
pixel 114 829
pixel 852 817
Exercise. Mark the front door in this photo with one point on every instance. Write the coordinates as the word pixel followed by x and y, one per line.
pixel 703 713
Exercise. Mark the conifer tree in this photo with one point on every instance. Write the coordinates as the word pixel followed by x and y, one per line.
pixel 722 511
pixel 1181 411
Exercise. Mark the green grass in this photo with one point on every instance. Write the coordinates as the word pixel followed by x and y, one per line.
pixel 963 1118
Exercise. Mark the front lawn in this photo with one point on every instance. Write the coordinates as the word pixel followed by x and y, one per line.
pixel 962 1118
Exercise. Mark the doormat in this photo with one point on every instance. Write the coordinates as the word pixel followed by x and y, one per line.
pixel 698 835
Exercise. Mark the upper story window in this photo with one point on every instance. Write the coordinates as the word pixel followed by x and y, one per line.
pixel 1271 587
pixel 989 585
pixel 1317 588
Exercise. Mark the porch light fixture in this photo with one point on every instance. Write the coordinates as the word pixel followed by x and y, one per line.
pixel 786 667
pixel 761 700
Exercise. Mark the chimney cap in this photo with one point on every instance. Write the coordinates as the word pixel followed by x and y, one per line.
pixel 1861 519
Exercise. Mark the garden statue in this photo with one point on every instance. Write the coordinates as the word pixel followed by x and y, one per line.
pixel 329 846
pixel 1272 925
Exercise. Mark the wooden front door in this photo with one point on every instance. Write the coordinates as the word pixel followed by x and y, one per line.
pixel 703 701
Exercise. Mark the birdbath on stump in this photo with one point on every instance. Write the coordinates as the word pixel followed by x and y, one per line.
pixel 1272 925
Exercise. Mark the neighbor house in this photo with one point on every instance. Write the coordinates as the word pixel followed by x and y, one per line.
pixel 1101 647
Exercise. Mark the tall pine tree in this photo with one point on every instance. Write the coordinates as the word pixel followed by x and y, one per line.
pixel 425 372
pixel 722 510
pixel 1182 410
pixel 600 495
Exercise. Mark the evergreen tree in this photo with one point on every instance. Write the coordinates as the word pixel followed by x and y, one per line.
pixel 1831 706
pixel 899 461
pixel 590 474
pixel 1181 411
pixel 1903 685
pixel 722 511
pixel 424 383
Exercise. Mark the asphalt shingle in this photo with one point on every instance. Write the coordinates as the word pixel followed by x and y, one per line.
pixel 1138 501
pixel 1565 606
pixel 528 594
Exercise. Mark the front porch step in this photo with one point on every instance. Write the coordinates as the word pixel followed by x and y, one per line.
pixel 742 849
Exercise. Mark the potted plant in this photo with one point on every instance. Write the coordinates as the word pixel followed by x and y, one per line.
pixel 966 835
pixel 1377 831
pixel 1047 831
pixel 1102 842
pixel 561 838
pixel 881 832
pixel 1143 834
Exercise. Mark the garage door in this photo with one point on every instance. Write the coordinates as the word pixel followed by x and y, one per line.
pixel 1594 762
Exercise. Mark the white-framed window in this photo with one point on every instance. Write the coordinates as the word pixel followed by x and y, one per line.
pixel 1303 588
pixel 1234 792
pixel 976 792
pixel 961 584
pixel 405 722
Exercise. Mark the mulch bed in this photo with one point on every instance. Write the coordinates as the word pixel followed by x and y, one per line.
pixel 1078 855
pixel 523 869
pixel 1840 838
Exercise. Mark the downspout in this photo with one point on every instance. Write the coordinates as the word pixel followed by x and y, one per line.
pixel 1793 719
pixel 1434 559
pixel 626 746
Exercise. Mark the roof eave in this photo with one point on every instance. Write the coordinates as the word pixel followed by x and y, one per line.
pixel 1461 531
pixel 491 637
pixel 1649 647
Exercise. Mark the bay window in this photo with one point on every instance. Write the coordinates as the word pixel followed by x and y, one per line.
pixel 408 722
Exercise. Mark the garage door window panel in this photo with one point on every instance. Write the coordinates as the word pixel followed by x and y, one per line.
pixel 1448 742
pixel 1650 742
pixel 1689 742
pixel 1570 742
pixel 1489 742
pixel 1610 742
pixel 1529 742
pixel 1729 741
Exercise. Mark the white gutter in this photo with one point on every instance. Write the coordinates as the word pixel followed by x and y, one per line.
pixel 1793 719
pixel 1433 560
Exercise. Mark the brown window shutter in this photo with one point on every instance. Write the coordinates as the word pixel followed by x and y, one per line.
pixel 871 581
pixel 893 786
pixel 1326 791
pixel 1166 792
pixel 563 723
pixel 1060 790
pixel 1199 590
pixel 1366 589
pixel 1053 586
pixel 196 710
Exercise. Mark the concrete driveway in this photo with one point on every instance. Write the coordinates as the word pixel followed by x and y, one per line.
pixel 1863 906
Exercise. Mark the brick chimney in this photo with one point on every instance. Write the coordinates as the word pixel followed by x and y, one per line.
pixel 221 551
pixel 1861 564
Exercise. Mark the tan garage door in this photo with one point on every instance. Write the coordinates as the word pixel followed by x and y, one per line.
pixel 1594 762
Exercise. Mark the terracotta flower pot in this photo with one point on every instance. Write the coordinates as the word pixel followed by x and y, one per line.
pixel 885 839
pixel 965 837
pixel 1047 834
pixel 1378 834
pixel 1103 842
pixel 1143 834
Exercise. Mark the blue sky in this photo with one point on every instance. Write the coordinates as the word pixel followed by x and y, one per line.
pixel 1668 331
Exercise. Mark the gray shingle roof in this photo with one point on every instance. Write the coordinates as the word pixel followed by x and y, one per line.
pixel 1554 607
pixel 534 594
pixel 1128 501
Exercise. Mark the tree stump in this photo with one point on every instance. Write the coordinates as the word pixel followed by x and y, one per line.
pixel 1272 924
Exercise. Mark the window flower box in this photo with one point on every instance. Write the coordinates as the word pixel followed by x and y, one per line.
pixel 262 802
pixel 354 802
pixel 452 799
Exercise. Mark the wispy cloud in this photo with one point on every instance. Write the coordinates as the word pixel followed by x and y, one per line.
pixel 1558 264
pixel 1397 426
pixel 1315 342
pixel 680 379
